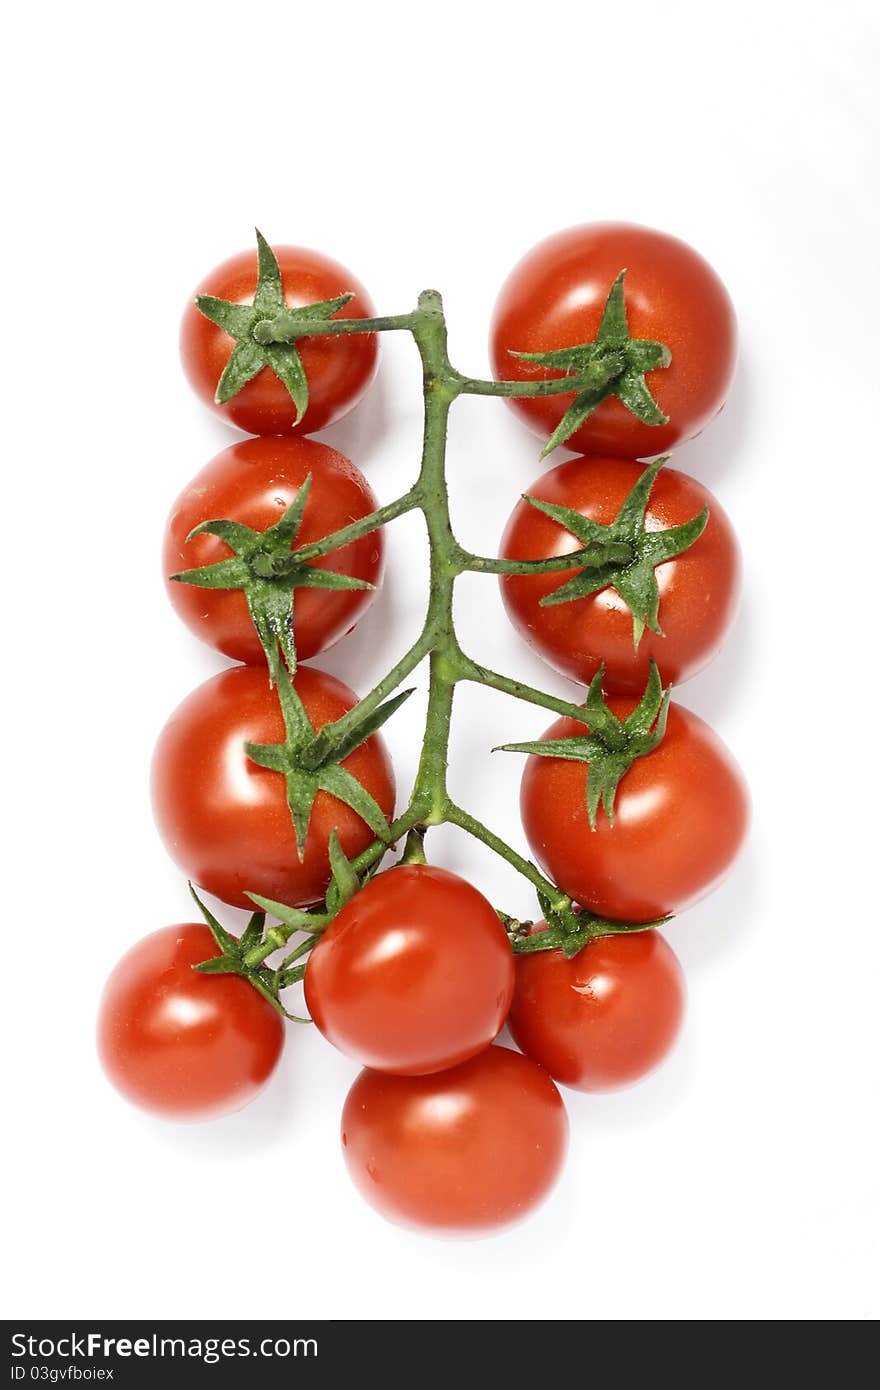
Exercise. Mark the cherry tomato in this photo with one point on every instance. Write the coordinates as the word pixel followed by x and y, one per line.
pixel 225 821
pixel 338 370
pixel 254 482
pixel 180 1044
pixel 603 1019
pixel 699 588
pixel 680 818
pixel 463 1150
pixel 414 975
pixel 554 298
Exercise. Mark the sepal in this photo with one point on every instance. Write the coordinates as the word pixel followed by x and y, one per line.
pixel 267 570
pixel 250 326
pixel 570 929
pixel 626 554
pixel 612 744
pixel 614 364
pixel 305 781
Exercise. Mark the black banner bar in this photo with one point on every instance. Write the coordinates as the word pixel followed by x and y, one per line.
pixel 88 1353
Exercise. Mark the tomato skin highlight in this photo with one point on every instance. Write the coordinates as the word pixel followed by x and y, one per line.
pixel 254 482
pixel 554 298
pixel 699 589
pixel 338 370
pixel 414 975
pixel 462 1151
pixel 179 1044
pixel 680 818
pixel 224 820
pixel 605 1018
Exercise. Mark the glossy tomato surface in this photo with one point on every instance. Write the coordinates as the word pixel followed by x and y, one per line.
pixel 180 1044
pixel 554 298
pixel 414 975
pixel 680 818
pixel 603 1019
pixel 254 482
pixel 461 1151
pixel 338 370
pixel 699 589
pixel 225 821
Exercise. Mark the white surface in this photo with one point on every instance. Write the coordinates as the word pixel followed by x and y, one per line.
pixel 741 1181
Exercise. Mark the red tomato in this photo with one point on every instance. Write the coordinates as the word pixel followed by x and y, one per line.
pixel 338 370
pixel 225 821
pixel 603 1019
pixel 414 975
pixel 254 482
pixel 554 298
pixel 179 1044
pixel 463 1150
pixel 699 588
pixel 679 820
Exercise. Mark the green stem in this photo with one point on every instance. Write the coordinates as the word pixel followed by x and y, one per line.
pixel 456 815
pixel 341 727
pixel 601 554
pixel 414 849
pixel 481 675
pixel 429 792
pixel 299 951
pixel 275 940
pixel 374 852
pixel 287 327
pixel 407 503
pixel 594 377
pixel 285 978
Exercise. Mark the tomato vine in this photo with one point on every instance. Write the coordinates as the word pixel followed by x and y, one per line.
pixel 430 803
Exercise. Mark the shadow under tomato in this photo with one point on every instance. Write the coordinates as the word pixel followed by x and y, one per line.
pixel 726 918
pixel 720 447
pixel 722 684
pixel 365 428
pixel 362 656
pixel 255 1129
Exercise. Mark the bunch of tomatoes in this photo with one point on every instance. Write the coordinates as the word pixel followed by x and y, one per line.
pixel 633 812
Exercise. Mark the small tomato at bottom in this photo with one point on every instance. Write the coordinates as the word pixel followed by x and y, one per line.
pixel 180 1044
pixel 603 1019
pixel 462 1151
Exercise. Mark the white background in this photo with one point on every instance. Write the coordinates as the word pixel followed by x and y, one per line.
pixel 433 148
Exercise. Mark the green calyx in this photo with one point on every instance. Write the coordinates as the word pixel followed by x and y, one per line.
pixel 265 568
pixel 308 769
pixel 254 347
pixel 245 955
pixel 570 930
pixel 612 744
pixel 626 555
pixel 614 364
pixel 234 958
pixel 310 921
